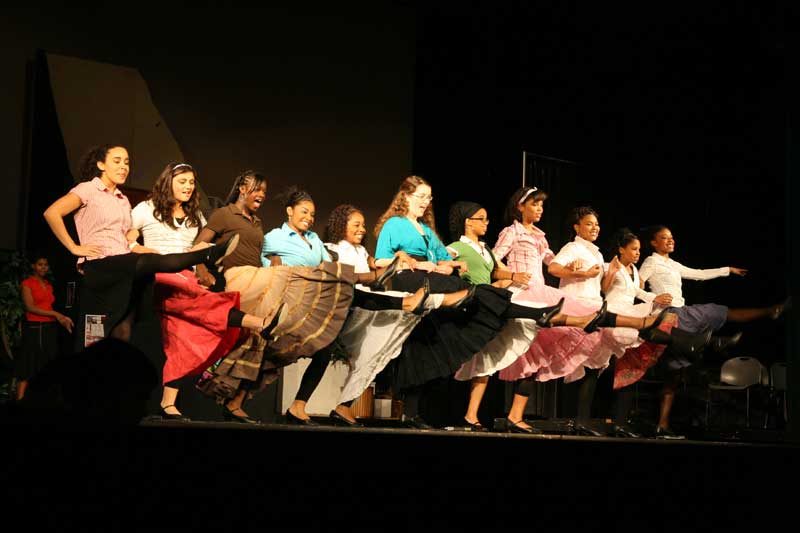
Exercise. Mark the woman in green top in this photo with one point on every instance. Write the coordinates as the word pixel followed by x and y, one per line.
pixel 469 220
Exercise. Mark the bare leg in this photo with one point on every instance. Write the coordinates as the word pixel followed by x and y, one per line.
pixel 667 397
pixel 298 409
pixel 124 327
pixel 235 404
pixel 517 411
pixel 750 314
pixel 346 412
pixel 22 386
pixel 168 398
pixel 477 389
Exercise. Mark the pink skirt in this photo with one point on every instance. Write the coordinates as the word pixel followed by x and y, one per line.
pixel 556 352
pixel 194 323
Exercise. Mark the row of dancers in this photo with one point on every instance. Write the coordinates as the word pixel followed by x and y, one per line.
pixel 417 309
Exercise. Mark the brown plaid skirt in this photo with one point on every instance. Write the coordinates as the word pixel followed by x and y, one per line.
pixel 311 304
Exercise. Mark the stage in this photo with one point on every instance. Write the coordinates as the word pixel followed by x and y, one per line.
pixel 162 474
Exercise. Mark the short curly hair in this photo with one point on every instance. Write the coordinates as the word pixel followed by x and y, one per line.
pixel 336 229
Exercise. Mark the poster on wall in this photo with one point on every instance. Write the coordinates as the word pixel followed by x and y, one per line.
pixel 93 329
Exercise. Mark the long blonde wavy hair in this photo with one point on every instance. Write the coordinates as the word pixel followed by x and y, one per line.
pixel 399 205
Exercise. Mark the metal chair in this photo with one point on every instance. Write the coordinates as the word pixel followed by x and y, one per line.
pixel 738 374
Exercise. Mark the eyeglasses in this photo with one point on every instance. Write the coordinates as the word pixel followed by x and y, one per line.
pixel 423 197
pixel 479 219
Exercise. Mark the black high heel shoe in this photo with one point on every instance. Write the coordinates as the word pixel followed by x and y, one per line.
pixel 379 285
pixel 339 420
pixel 230 416
pixel 217 253
pixel 592 326
pixel 544 321
pixel 426 291
pixel 266 331
pixel 648 333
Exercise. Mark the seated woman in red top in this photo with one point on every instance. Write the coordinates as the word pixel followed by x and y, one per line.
pixel 40 333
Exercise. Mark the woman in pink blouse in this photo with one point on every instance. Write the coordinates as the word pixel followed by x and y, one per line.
pixel 556 352
pixel 114 272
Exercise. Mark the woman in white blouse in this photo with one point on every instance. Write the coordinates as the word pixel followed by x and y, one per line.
pixel 198 326
pixel 581 269
pixel 665 275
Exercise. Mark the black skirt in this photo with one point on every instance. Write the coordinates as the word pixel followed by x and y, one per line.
pixel 447 337
pixel 39 347
pixel 109 289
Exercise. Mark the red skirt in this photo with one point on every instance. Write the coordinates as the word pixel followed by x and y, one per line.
pixel 194 324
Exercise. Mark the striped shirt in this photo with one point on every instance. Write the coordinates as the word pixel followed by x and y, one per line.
pixel 524 251
pixel 103 218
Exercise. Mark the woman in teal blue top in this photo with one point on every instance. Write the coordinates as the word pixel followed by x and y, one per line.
pixel 294 244
pixel 447 337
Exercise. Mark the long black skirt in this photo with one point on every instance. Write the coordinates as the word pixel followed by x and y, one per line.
pixel 447 337
pixel 39 347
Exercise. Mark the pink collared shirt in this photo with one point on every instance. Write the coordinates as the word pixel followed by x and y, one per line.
pixel 103 218
pixel 524 251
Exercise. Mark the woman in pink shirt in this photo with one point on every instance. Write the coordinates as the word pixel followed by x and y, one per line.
pixel 114 272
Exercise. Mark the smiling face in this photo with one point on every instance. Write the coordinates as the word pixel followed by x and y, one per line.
pixel 419 200
pixel 531 211
pixel 629 254
pixel 252 200
pixel 115 168
pixel 477 223
pixel 587 228
pixel 41 267
pixel 356 228
pixel 662 242
pixel 301 216
pixel 183 186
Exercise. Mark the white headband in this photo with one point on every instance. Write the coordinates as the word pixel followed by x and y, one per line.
pixel 179 165
pixel 525 196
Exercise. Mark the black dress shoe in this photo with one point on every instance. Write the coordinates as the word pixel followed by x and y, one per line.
pixel 415 422
pixel 720 344
pixel 592 326
pixel 426 291
pixel 624 430
pixel 291 419
pixel 545 321
pixel 467 297
pixel 379 285
pixel 585 431
pixel 474 427
pixel 230 416
pixel 172 416
pixel 668 434
pixel 218 252
pixel 650 332
pixel 339 420
pixel 266 331
pixel 514 427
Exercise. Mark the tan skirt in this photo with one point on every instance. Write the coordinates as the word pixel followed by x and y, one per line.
pixel 311 304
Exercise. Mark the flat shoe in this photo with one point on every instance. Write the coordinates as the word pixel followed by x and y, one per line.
pixel 340 420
